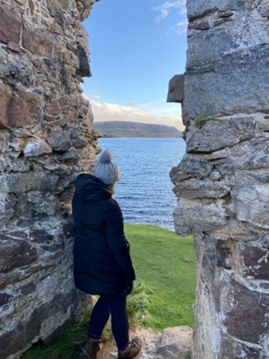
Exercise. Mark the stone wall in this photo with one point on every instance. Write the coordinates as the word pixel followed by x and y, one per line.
pixel 46 139
pixel 222 183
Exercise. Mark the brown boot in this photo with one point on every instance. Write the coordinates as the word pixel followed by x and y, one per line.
pixel 90 349
pixel 132 350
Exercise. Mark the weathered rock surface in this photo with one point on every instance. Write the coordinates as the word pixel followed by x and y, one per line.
pixel 199 8
pixel 176 89
pixel 46 139
pixel 193 215
pixel 222 181
pixel 173 343
pixel 231 131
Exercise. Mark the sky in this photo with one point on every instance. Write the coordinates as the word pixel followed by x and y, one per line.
pixel 136 47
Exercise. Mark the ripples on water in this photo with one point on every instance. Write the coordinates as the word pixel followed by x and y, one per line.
pixel 145 189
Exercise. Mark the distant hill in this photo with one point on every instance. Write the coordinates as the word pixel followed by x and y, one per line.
pixel 135 129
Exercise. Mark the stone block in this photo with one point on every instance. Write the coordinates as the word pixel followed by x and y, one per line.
pixel 5 100
pixel 216 155
pixel 10 26
pixel 199 25
pixel 195 166
pixel 223 88
pixel 255 162
pixel 27 330
pixel 216 135
pixel 79 142
pixel 196 216
pixel 17 108
pixel 236 231
pixel 176 89
pixel 29 181
pixel 255 260
pixel 58 141
pixel 175 343
pixel 71 156
pixel 208 48
pixel 15 254
pixel 251 203
pixel 84 66
pixel 245 313
pixel 199 8
pixel 37 41
pixel 36 147
pixel 194 188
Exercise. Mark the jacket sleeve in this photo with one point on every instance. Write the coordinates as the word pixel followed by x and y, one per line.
pixel 117 242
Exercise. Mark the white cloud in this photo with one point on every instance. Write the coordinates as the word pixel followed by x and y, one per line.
pixel 113 112
pixel 165 9
pixel 96 96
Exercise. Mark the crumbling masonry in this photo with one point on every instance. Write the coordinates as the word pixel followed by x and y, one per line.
pixel 46 139
pixel 222 183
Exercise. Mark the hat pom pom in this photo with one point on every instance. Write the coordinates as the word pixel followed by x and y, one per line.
pixel 106 157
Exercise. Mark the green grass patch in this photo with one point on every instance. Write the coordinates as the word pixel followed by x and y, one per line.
pixel 166 264
pixel 203 119
pixel 139 304
pixel 163 295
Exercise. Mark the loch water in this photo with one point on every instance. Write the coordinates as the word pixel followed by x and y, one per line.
pixel 145 190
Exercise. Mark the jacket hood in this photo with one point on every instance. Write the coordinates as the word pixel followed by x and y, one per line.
pixel 91 188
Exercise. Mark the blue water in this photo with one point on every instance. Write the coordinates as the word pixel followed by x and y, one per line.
pixel 145 189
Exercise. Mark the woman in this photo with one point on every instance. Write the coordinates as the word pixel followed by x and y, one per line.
pixel 102 262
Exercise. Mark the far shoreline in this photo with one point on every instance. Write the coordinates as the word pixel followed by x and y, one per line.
pixel 120 129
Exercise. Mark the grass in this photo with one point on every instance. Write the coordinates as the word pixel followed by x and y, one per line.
pixel 203 119
pixel 166 264
pixel 163 295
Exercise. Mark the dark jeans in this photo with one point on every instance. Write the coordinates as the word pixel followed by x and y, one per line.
pixel 114 305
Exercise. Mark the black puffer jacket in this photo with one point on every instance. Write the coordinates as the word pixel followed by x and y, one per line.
pixel 102 262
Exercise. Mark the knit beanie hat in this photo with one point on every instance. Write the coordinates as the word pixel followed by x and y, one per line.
pixel 106 169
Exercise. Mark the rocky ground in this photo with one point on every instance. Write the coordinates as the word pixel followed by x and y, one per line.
pixel 173 343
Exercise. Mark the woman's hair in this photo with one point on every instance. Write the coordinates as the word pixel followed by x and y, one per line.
pixel 106 169
pixel 111 188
